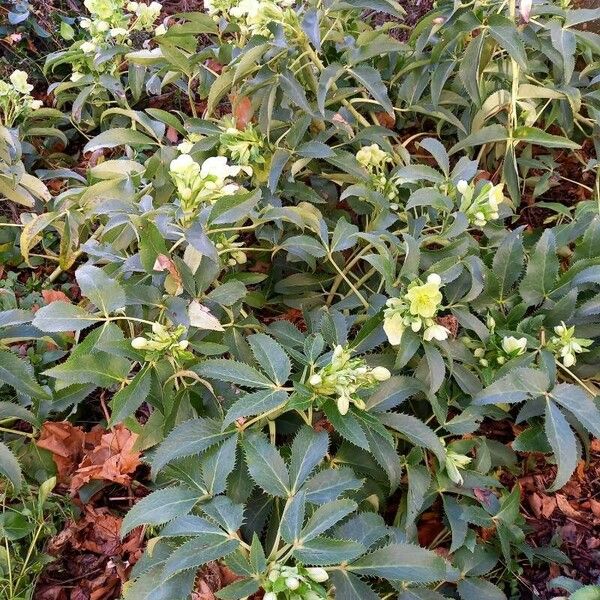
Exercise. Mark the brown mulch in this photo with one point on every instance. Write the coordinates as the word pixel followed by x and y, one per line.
pixel 570 517
pixel 415 10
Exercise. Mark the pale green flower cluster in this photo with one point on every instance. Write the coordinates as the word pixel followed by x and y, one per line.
pixel 199 185
pixel 163 340
pixel 252 16
pixel 15 99
pixel 566 346
pixel 112 22
pixel 246 148
pixel 344 376
pixel 508 347
pixel 483 206
pixel 230 249
pixel 416 309
pixel 295 583
pixel 376 161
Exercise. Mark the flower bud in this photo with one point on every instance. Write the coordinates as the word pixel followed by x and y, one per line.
pixel 139 343
pixel 292 583
pixel 381 373
pixel 343 404
pixel 315 379
pixel 270 596
pixel 317 574
pixel 434 278
pixel 462 186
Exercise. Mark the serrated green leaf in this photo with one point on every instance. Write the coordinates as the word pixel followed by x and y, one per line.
pixel 293 517
pixel 404 562
pixel 217 464
pixel 308 450
pixel 520 384
pixel 563 444
pixel 271 357
pixel 371 79
pixel 233 371
pixel 350 587
pixel 328 484
pixel 473 588
pixel 118 136
pixel 195 553
pixel 105 293
pixel 324 551
pixel 127 400
pixel 325 517
pixel 9 466
pixel 506 33
pixel 61 316
pixel 415 431
pixel 190 437
pixel 159 507
pixel 19 375
pixel 256 403
pixel 266 466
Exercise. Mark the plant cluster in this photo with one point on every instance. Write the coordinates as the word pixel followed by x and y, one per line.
pixel 316 308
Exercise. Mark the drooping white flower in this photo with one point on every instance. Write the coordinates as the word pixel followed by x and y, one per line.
pixel 436 332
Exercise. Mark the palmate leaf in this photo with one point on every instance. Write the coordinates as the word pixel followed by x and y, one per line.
pixel 159 507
